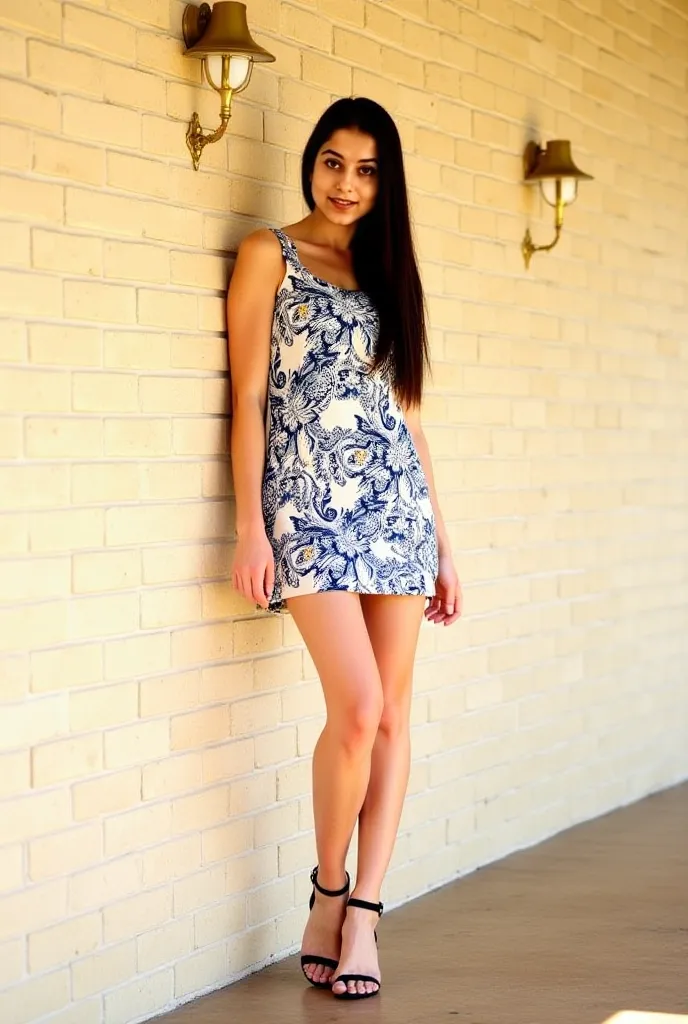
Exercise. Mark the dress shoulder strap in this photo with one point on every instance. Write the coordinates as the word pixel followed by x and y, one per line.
pixel 288 247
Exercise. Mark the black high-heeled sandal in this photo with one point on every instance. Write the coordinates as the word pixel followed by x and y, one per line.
pixel 310 958
pixel 377 908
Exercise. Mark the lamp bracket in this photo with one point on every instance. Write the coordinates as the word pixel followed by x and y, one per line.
pixel 197 140
pixel 195 22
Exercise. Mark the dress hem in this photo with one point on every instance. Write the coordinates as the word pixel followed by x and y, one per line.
pixel 280 606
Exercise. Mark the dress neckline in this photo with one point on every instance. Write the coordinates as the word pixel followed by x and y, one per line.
pixel 320 280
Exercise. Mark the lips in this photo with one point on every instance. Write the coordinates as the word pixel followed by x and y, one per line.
pixel 341 204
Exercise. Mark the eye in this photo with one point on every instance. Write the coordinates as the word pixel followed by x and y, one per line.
pixel 331 163
pixel 368 172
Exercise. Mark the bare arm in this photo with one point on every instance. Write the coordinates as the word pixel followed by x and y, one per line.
pixel 446 606
pixel 250 306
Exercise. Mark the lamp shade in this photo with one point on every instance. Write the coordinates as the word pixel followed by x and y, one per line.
pixel 227 33
pixel 555 161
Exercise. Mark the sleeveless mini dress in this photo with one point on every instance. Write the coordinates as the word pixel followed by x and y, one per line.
pixel 345 500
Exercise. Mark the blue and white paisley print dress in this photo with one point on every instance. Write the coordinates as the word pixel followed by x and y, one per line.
pixel 345 499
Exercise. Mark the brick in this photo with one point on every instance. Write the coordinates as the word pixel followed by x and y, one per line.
pixel 130 88
pixel 34 200
pixel 165 945
pixel 15 774
pixel 104 392
pixel 74 161
pixel 203 888
pixel 27 105
pixel 135 744
pixel 170 861
pixel 167 309
pixel 63 438
pixel 29 722
pixel 68 941
pixel 12 53
pixel 107 794
pixel 166 523
pixel 169 481
pixel 17 242
pixel 147 996
pixel 70 254
pixel 58 345
pixel 199 271
pixel 246 795
pixel 32 909
pixel 98 122
pixel 171 394
pixel 227 761
pixel 94 31
pixel 80 73
pixel 131 261
pixel 66 759
pixel 136 350
pixel 137 438
pixel 258 634
pixel 137 829
pixel 85 300
pixel 150 12
pixel 256 714
pixel 55 856
pixel 12 865
pixel 15 147
pixel 200 810
pixel 173 776
pixel 99 571
pixel 198 436
pixel 109 214
pixel 199 728
pixel 103 970
pixel 47 578
pixel 103 708
pixel 214 924
pixel 201 644
pixel 34 391
pixel 35 998
pixel 163 54
pixel 12 957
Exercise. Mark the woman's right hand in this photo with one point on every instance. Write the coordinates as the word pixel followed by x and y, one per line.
pixel 253 569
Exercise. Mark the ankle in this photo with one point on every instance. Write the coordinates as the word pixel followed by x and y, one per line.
pixel 332 879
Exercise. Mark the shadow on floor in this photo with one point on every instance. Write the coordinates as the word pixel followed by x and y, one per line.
pixel 589 923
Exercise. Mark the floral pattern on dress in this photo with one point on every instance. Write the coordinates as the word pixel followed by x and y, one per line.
pixel 345 499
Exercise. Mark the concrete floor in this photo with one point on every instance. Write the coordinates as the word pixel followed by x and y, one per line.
pixel 587 924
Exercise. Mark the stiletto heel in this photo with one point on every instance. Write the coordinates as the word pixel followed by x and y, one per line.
pixel 309 958
pixel 376 908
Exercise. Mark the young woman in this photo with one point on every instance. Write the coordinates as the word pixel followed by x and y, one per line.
pixel 336 512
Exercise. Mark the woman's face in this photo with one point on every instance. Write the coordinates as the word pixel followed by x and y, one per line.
pixel 345 176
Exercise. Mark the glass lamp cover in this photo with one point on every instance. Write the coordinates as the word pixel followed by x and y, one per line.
pixel 569 190
pixel 239 68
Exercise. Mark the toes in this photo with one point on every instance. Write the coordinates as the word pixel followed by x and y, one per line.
pixel 339 987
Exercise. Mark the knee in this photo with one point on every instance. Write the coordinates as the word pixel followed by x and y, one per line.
pixel 395 719
pixel 360 722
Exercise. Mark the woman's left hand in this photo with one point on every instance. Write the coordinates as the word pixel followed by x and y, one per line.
pixel 447 604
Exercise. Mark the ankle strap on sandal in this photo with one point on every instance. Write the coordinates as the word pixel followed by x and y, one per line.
pixel 329 892
pixel 364 905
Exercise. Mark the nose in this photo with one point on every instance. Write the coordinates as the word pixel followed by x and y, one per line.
pixel 345 182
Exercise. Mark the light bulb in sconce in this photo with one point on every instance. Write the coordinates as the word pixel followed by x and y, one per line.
pixel 239 71
pixel 553 168
pixel 568 189
pixel 220 38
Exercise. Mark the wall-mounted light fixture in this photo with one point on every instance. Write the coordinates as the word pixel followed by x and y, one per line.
pixel 554 168
pixel 221 39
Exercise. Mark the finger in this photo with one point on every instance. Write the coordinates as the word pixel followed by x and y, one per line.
pixel 269 578
pixel 257 583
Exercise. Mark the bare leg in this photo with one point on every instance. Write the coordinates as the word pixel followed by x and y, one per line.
pixel 334 630
pixel 393 624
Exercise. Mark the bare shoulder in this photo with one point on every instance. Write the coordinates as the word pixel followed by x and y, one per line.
pixel 261 247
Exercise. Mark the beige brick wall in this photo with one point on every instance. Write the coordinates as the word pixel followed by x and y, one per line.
pixel 155 829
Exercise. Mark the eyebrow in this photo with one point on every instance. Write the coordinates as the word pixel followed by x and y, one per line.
pixel 366 160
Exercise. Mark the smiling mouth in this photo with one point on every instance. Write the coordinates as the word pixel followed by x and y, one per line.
pixel 343 204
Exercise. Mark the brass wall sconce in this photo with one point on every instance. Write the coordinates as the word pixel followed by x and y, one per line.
pixel 221 39
pixel 554 168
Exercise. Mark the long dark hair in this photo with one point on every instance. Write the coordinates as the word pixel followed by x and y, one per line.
pixel 382 248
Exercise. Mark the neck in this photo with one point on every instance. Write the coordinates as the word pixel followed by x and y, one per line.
pixel 322 231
